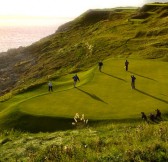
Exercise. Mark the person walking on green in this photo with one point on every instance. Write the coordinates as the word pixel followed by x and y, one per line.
pixel 75 78
pixel 100 64
pixel 133 81
pixel 126 65
pixel 50 87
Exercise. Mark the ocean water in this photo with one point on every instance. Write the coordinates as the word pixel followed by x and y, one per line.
pixel 14 37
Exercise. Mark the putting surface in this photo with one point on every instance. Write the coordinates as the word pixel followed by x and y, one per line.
pixel 100 95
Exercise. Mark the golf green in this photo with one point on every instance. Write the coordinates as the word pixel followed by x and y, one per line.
pixel 103 95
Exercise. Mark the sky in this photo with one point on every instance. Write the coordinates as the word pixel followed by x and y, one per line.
pixel 60 8
pixel 26 11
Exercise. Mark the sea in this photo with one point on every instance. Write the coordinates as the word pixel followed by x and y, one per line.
pixel 14 37
pixel 17 35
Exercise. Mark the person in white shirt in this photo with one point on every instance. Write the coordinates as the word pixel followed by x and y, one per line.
pixel 50 87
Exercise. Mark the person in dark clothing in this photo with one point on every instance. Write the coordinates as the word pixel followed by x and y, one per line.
pixel 133 81
pixel 75 78
pixel 50 88
pixel 152 117
pixel 126 65
pixel 100 65
pixel 158 114
pixel 144 117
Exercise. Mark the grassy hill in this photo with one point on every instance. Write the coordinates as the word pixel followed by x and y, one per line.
pixel 80 44
pixel 115 131
pixel 114 35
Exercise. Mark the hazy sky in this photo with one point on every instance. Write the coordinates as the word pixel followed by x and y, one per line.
pixel 60 8
pixel 12 11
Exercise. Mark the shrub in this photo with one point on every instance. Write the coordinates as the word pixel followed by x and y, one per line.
pixel 80 122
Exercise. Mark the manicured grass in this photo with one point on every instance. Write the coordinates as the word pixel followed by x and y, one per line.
pixel 99 95
pixel 109 94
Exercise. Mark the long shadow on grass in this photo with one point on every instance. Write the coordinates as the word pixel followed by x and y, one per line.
pixel 142 76
pixel 92 95
pixel 35 123
pixel 114 77
pixel 147 94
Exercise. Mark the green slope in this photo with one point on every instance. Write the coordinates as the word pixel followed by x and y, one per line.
pixel 100 96
pixel 109 34
pixel 81 43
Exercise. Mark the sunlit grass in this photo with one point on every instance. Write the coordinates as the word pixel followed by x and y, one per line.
pixel 99 95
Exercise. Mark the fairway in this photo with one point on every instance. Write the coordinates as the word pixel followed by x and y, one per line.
pixel 100 95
